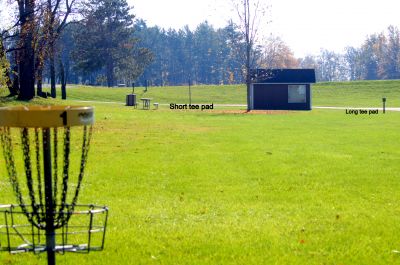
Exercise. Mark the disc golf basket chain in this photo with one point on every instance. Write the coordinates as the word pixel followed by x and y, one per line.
pixel 47 195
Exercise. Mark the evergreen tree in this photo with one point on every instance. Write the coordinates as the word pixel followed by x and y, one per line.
pixel 105 41
pixel 235 49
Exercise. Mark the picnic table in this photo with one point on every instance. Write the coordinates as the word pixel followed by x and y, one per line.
pixel 146 102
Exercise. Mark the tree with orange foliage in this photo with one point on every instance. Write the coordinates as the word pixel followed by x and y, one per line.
pixel 277 54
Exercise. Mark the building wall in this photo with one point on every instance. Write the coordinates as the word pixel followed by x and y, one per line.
pixel 275 97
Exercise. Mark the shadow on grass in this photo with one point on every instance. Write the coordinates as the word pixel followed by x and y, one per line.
pixel 13 101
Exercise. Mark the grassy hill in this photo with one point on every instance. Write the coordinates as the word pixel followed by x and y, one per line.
pixel 357 94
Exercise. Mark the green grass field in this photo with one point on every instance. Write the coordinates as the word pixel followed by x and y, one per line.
pixel 193 187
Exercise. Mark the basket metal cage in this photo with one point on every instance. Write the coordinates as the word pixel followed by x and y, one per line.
pixel 84 232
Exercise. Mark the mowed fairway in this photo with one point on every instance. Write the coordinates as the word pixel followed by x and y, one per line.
pixel 193 187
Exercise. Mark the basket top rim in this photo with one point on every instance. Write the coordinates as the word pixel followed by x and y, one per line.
pixel 46 116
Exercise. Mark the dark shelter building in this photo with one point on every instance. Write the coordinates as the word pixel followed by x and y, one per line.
pixel 281 89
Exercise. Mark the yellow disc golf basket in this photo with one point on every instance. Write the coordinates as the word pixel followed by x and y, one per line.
pixel 45 153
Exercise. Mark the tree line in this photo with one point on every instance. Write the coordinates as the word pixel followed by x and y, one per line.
pixel 214 56
pixel 377 58
pixel 203 56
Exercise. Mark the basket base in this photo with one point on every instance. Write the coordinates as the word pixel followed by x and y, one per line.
pixel 84 232
pixel 24 248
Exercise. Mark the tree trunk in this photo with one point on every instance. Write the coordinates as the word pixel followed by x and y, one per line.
pixel 39 65
pixel 248 77
pixel 248 49
pixel 63 81
pixel 39 82
pixel 14 89
pixel 13 86
pixel 26 69
pixel 10 84
pixel 27 55
pixel 27 73
pixel 110 73
pixel 52 72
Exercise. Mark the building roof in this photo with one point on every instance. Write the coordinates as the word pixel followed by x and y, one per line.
pixel 283 76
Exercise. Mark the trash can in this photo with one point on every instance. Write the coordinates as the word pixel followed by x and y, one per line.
pixel 131 100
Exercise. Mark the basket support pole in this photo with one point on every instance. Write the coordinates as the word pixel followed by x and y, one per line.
pixel 50 234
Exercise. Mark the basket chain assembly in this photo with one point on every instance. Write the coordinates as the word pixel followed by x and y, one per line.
pixel 37 202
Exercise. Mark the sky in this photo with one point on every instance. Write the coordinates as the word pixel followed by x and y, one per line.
pixel 306 26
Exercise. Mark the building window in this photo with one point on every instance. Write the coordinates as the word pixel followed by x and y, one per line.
pixel 297 94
